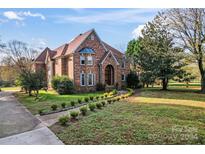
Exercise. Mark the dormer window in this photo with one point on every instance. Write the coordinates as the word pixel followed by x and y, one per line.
pixel 90 60
pixel 82 60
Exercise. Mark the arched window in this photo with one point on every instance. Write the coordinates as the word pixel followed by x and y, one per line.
pixel 87 50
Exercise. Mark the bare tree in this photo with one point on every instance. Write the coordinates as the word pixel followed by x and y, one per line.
pixel 21 54
pixel 188 27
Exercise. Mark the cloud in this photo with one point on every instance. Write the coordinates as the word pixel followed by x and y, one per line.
pixel 39 42
pixel 137 31
pixel 20 16
pixel 12 15
pixel 28 13
pixel 120 16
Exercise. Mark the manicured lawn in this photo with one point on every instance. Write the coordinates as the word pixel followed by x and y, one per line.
pixel 151 117
pixel 10 89
pixel 46 99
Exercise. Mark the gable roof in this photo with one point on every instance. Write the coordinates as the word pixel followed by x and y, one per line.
pixel 72 46
pixel 115 51
pixel 105 57
pixel 42 57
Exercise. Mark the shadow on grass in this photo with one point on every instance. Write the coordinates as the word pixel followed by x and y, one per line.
pixel 173 93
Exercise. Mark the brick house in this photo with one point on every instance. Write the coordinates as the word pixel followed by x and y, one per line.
pixel 86 60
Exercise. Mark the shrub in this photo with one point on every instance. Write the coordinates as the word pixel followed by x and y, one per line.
pixel 86 99
pixel 118 99
pixel 99 105
pixel 92 106
pixel 63 105
pixel 109 101
pixel 62 84
pixel 63 120
pixel 54 107
pixel 97 97
pixel 72 103
pixel 100 87
pixel 103 103
pixel 91 98
pixel 79 101
pixel 102 97
pixel 105 94
pixel 132 80
pixel 113 92
pixel 74 114
pixel 40 111
pixel 130 91
pixel 83 110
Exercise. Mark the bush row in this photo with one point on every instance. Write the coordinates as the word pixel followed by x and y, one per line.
pixel 83 110
pixel 54 107
pixel 92 107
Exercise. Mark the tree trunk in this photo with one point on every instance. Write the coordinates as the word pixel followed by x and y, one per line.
pixel 202 72
pixel 147 85
pixel 203 84
pixel 164 83
pixel 29 92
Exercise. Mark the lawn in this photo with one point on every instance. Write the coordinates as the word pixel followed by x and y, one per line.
pixel 46 99
pixel 151 117
pixel 10 88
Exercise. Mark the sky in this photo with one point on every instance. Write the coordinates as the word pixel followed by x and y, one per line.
pixel 54 27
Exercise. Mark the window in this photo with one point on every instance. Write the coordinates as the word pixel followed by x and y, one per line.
pixel 90 60
pixel 123 77
pixel 82 60
pixel 123 64
pixel 92 37
pixel 82 79
pixel 90 79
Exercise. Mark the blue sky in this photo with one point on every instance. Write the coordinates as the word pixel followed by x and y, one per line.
pixel 53 27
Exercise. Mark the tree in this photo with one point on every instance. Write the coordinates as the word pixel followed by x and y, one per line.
pixel 147 78
pixel 188 27
pixel 185 77
pixel 8 72
pixel 132 52
pixel 158 55
pixel 21 54
pixel 32 81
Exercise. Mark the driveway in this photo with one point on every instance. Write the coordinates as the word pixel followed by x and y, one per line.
pixel 16 119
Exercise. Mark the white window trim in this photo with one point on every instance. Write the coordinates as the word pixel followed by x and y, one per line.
pixel 81 60
pixel 92 60
pixel 123 77
pixel 93 79
pixel 81 79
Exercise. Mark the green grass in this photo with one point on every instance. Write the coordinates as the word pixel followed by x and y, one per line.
pixel 151 117
pixel 10 88
pixel 46 99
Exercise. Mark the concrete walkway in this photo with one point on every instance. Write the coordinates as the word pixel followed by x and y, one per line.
pixel 50 119
pixel 16 119
pixel 41 136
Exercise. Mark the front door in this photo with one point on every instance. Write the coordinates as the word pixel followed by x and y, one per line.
pixel 109 75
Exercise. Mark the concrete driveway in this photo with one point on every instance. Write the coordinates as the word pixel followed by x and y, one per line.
pixel 16 119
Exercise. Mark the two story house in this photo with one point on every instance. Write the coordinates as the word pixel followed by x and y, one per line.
pixel 86 60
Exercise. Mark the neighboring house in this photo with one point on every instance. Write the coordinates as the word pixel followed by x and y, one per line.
pixel 86 60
